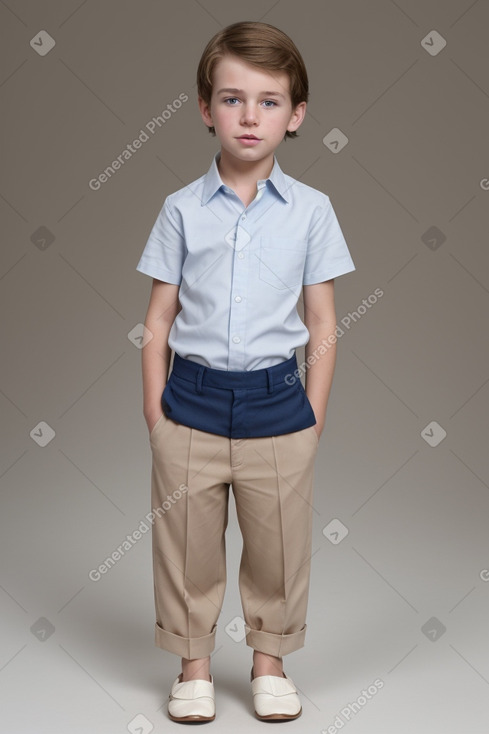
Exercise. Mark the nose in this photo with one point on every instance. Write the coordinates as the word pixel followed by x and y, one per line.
pixel 249 116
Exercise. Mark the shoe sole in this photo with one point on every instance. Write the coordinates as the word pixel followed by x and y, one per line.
pixel 197 719
pixel 278 717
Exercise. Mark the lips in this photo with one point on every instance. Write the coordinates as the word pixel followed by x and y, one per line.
pixel 248 137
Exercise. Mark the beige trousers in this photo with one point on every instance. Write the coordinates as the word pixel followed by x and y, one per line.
pixel 272 482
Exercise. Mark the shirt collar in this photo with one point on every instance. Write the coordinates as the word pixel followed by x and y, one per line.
pixel 213 181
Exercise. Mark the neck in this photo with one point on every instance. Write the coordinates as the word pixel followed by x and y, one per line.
pixel 235 172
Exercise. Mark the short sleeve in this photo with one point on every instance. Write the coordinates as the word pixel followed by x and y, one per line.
pixel 327 252
pixel 164 252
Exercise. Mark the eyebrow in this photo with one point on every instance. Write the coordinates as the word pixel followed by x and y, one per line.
pixel 231 90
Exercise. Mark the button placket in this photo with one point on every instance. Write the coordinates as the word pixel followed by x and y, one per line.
pixel 239 289
pixel 237 321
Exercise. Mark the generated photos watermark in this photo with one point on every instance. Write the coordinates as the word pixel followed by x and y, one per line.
pixel 347 321
pixel 351 709
pixel 132 538
pixel 151 127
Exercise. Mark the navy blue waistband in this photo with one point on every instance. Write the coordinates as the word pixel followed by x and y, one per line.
pixel 202 375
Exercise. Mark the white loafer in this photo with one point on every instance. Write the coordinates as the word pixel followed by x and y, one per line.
pixel 275 698
pixel 192 700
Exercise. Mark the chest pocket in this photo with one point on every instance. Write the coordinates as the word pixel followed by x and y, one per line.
pixel 282 261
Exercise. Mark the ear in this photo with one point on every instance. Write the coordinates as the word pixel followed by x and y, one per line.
pixel 297 117
pixel 205 111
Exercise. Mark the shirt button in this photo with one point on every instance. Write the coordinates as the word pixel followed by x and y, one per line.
pixel 236 339
pixel 237 299
pixel 243 217
pixel 240 255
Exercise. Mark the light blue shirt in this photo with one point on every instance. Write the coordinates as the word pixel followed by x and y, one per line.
pixel 241 269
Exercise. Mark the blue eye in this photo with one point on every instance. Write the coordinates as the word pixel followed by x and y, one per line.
pixel 269 103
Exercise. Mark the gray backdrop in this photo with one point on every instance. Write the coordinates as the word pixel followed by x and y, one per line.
pixel 399 590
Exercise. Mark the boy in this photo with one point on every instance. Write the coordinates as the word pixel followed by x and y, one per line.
pixel 229 255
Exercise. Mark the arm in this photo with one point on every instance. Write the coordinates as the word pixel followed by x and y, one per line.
pixel 156 354
pixel 320 320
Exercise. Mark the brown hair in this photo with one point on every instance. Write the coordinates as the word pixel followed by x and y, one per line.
pixel 261 45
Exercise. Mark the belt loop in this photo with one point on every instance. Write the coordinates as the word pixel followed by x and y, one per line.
pixel 269 381
pixel 198 381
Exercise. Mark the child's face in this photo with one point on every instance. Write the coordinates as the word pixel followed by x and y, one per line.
pixel 250 111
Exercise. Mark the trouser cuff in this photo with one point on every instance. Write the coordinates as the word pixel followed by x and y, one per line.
pixel 185 647
pixel 273 644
